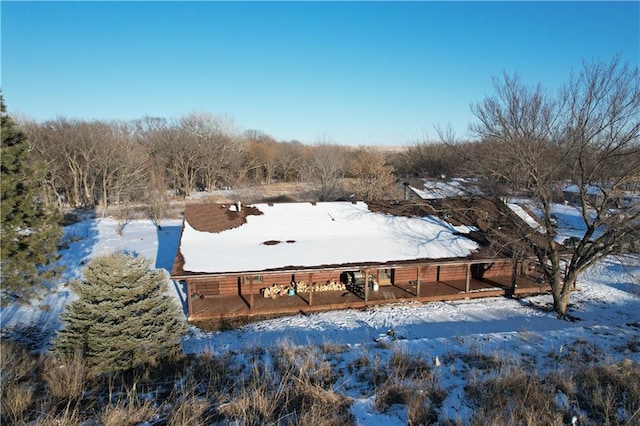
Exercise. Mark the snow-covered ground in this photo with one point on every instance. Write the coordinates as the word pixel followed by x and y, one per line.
pixel 606 305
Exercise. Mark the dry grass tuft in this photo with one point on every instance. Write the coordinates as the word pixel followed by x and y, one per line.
pixel 258 401
pixel 66 378
pixel 410 381
pixel 190 411
pixel 333 348
pixel 315 405
pixel 213 372
pixel 405 365
pixel 17 367
pixel 481 361
pixel 304 363
pixel 16 400
pixel 514 398
pixel 16 364
pixel 610 393
pixel 421 397
pixel 125 413
pixel 298 390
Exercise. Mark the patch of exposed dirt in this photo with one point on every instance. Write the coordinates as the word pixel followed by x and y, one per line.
pixel 217 217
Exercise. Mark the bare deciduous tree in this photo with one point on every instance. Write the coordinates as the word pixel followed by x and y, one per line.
pixel 373 176
pixel 182 160
pixel 43 152
pixel 217 146
pixel 589 132
pixel 263 158
pixel 324 168
pixel 290 160
pixel 428 159
pixel 152 133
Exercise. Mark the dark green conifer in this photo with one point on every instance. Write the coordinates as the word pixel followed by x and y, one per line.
pixel 122 318
pixel 30 233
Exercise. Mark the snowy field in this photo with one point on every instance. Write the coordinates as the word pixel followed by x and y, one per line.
pixel 606 305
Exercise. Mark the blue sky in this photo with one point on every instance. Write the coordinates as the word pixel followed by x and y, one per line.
pixel 352 73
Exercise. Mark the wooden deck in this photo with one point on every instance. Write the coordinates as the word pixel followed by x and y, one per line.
pixel 215 307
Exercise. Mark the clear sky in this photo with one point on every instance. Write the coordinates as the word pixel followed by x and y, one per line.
pixel 352 73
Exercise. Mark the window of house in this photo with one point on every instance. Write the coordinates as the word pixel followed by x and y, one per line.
pixel 257 279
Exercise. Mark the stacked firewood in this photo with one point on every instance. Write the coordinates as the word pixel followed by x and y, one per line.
pixel 279 290
pixel 302 286
pixel 275 291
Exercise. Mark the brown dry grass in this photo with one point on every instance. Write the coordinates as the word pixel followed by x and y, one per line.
pixel 127 413
pixel 16 400
pixel 611 393
pixel 18 370
pixel 297 389
pixel 190 410
pixel 302 384
pixel 515 398
pixel 406 379
pixel 66 379
pixel 67 418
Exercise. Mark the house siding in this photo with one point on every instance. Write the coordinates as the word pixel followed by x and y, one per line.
pixel 237 283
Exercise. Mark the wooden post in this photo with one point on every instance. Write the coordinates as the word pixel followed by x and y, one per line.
pixel 514 277
pixel 189 296
pixel 418 281
pixel 467 278
pixel 310 288
pixel 366 286
pixel 250 291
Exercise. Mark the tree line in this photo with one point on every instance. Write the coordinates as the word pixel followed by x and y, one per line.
pixel 104 163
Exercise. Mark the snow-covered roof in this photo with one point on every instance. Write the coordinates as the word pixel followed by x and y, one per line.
pixel 308 235
pixel 590 189
pixel 435 189
pixel 526 217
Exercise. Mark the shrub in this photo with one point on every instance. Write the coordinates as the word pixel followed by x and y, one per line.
pixel 122 318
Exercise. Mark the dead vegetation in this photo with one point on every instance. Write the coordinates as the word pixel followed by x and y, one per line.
pixel 317 385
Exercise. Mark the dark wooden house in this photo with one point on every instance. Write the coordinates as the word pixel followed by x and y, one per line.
pixel 270 259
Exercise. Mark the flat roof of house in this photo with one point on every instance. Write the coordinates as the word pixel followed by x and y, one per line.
pixel 219 239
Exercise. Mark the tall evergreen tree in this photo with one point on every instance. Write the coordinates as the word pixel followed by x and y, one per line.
pixel 122 318
pixel 30 232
